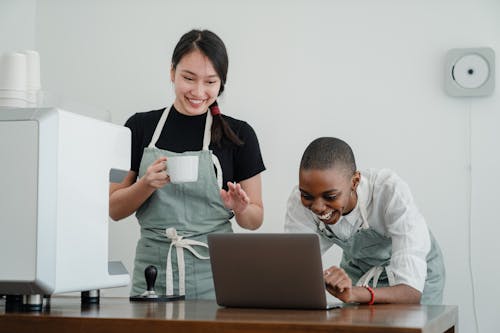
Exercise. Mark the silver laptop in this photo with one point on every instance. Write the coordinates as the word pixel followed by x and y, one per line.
pixel 268 271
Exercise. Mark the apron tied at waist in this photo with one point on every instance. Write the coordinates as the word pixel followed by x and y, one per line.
pixel 374 273
pixel 180 244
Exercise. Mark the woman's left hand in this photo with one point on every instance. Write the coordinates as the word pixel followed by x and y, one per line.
pixel 235 198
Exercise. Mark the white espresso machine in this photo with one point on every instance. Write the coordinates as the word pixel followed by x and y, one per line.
pixel 54 202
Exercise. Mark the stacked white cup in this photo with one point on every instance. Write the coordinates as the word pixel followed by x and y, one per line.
pixel 20 79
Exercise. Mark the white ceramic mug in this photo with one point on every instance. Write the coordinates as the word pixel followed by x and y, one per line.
pixel 182 169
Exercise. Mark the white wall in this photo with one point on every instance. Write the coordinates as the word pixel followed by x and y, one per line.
pixel 17 25
pixel 367 71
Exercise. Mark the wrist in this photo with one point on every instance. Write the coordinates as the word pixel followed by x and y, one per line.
pixel 361 294
pixel 372 295
pixel 144 186
pixel 240 211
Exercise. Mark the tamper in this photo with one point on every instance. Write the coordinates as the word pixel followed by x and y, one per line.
pixel 150 295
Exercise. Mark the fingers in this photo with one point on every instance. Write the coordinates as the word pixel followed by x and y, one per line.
pixel 337 277
pixel 156 174
pixel 337 281
pixel 235 197
pixel 160 160
pixel 236 191
pixel 158 166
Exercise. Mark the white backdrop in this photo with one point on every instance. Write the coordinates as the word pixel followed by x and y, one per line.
pixel 367 71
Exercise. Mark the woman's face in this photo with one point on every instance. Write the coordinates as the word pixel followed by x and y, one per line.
pixel 196 84
pixel 328 193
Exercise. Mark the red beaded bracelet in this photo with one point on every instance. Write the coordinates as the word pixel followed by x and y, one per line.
pixel 372 293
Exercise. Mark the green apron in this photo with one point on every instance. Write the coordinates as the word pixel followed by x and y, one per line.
pixel 176 219
pixel 367 254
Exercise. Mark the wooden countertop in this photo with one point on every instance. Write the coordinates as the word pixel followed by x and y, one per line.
pixel 66 314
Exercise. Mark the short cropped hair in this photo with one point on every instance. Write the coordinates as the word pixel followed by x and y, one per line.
pixel 327 152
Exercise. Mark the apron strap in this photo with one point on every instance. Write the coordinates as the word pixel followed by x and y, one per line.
pixel 207 135
pixel 163 119
pixel 219 170
pixel 180 244
pixel 206 142
pixel 362 210
pixel 159 128
pixel 374 273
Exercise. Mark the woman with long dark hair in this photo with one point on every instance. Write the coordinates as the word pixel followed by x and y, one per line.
pixel 176 218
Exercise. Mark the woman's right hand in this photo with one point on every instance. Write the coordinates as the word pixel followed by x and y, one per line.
pixel 156 174
pixel 338 283
pixel 126 197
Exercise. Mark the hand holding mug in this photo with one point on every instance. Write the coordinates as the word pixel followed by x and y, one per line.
pixel 156 174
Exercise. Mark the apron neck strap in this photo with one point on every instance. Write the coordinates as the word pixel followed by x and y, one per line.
pixel 207 134
pixel 163 119
pixel 159 127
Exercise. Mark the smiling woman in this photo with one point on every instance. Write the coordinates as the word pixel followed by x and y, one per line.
pixel 228 182
pixel 371 215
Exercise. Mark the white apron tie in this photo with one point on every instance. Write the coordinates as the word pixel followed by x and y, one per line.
pixel 180 244
pixel 374 273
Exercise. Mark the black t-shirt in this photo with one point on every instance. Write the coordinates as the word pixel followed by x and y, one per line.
pixel 185 133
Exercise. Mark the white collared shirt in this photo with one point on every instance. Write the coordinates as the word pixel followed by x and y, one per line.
pixel 386 201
